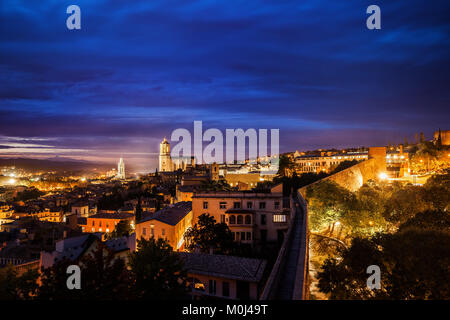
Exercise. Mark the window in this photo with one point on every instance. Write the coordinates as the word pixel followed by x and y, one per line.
pixel 205 204
pixel 144 231
pixel 248 219
pixel 263 219
pixel 100 223
pixel 212 286
pixel 232 219
pixel 233 236
pixel 240 220
pixel 93 222
pixel 249 236
pixel 163 232
pixel 249 205
pixel 152 231
pixel 226 289
pixel 237 205
pixel 223 205
pixel 277 205
pixel 279 218
pixel 262 205
pixel 222 218
pixel 242 236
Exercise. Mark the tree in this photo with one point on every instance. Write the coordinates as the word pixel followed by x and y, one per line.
pixel 413 263
pixel 404 203
pixel 208 235
pixel 328 202
pixel 17 287
pixel 138 214
pixel 285 166
pixel 429 220
pixel 157 271
pixel 344 165
pixel 103 277
pixel 437 191
pixel 122 229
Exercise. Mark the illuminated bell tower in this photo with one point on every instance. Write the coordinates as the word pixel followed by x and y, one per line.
pixel 165 162
pixel 121 169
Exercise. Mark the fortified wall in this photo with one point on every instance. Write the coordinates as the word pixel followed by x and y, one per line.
pixel 354 177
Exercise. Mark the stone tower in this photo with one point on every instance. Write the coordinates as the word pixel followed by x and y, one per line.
pixel 165 161
pixel 121 169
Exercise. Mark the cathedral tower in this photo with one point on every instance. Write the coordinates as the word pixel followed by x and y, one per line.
pixel 121 169
pixel 165 162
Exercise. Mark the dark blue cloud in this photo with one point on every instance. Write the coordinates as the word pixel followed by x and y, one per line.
pixel 138 69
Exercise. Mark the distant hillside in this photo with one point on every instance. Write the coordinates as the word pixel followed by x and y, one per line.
pixel 53 164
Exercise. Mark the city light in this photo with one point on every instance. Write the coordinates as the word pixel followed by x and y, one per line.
pixel 383 175
pixel 12 181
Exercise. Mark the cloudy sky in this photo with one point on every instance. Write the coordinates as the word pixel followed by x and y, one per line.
pixel 139 69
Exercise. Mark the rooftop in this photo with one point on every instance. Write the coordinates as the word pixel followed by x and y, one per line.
pixel 230 267
pixel 117 215
pixel 172 214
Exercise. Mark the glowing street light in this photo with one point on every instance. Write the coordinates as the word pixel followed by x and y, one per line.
pixel 12 181
pixel 383 176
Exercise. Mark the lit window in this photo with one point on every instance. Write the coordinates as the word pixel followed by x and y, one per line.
pixel 279 218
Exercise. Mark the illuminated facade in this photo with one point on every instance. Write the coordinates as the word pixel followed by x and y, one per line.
pixel 121 169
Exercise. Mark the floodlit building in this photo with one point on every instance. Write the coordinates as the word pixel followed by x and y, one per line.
pixel 121 169
pixel 253 217
pixel 169 223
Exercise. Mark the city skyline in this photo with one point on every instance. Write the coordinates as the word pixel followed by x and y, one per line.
pixel 313 70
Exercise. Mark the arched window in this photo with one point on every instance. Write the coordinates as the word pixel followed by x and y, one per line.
pixel 248 219
pixel 240 220
pixel 232 219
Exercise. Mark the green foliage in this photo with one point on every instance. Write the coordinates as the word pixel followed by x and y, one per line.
pixel 206 234
pixel 414 265
pixel 285 166
pixel 344 165
pixel 212 185
pixel 404 203
pixel 437 191
pixel 429 220
pixel 122 229
pixel 103 277
pixel 15 287
pixel 157 271
pixel 328 202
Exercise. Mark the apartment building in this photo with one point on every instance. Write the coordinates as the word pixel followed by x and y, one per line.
pixel 253 217
pixel 169 223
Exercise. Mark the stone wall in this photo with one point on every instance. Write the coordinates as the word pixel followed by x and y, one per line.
pixel 354 177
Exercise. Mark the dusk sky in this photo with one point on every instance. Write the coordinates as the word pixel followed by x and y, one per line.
pixel 139 69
